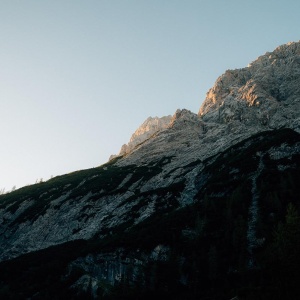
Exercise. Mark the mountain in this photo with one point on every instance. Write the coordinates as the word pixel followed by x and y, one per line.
pixel 149 128
pixel 269 86
pixel 195 206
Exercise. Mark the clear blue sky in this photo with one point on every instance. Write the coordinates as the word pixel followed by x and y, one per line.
pixel 78 77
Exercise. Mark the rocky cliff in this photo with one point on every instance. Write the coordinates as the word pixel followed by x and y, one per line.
pixel 156 157
pixel 175 186
pixel 264 94
pixel 149 128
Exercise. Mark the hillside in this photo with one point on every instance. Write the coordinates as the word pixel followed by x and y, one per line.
pixel 194 207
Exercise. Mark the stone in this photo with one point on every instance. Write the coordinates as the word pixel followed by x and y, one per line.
pixel 264 94
pixel 150 127
pixel 163 152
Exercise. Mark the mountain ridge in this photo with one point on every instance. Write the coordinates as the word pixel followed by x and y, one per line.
pixel 179 181
pixel 186 139
pixel 243 100
pixel 211 234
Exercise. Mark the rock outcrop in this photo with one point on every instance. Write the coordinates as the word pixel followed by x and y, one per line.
pixel 209 187
pixel 150 127
pixel 265 94
pixel 161 160
pixel 171 240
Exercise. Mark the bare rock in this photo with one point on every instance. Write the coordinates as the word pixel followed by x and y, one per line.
pixel 264 94
pixel 162 152
pixel 150 127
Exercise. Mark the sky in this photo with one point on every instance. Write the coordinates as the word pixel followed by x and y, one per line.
pixel 78 77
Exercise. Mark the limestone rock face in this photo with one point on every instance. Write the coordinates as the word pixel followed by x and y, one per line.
pixel 181 137
pixel 158 168
pixel 185 118
pixel 264 94
pixel 150 127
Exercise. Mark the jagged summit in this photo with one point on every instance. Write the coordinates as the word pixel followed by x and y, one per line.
pixel 150 126
pixel 184 117
pixel 266 93
pixel 165 151
pixel 191 202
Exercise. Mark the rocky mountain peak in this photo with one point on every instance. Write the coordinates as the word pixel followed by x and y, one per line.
pixel 150 126
pixel 263 96
pixel 211 186
pixel 183 116
pixel 260 93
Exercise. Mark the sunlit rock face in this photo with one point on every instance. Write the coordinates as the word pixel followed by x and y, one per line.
pixel 210 186
pixel 150 127
pixel 264 94
pixel 157 169
pixel 179 140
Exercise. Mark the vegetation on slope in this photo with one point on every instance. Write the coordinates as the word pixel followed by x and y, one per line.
pixel 209 248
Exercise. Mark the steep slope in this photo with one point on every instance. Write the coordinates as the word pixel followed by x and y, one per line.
pixel 243 194
pixel 263 96
pixel 180 180
pixel 150 127
pixel 160 155
pixel 122 192
pixel 80 205
pixel 266 93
